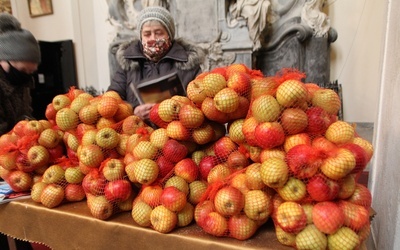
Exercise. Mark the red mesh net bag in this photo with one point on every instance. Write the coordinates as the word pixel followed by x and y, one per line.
pixel 184 121
pixel 168 203
pixel 27 151
pixel 311 159
pixel 59 183
pixel 230 208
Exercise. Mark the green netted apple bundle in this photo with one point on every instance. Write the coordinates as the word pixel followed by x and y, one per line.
pixel 27 151
pixel 168 203
pixel 233 208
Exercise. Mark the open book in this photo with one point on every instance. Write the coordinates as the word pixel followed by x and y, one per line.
pixel 158 89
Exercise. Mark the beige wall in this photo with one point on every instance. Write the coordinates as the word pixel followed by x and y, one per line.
pixel 357 54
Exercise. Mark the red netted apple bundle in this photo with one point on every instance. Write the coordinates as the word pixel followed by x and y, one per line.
pixel 68 110
pixel 223 94
pixel 108 190
pixel 338 224
pixel 59 183
pixel 169 202
pixel 184 121
pixel 220 159
pixel 27 150
pixel 150 157
pixel 235 207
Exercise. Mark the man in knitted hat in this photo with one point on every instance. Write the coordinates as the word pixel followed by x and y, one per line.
pixel 19 59
pixel 155 54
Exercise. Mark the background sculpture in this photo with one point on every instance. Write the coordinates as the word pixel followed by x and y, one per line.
pixel 263 34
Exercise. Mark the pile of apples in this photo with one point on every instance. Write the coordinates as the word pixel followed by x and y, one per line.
pixel 237 137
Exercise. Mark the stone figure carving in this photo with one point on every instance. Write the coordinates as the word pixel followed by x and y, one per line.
pixel 255 12
pixel 216 57
pixel 314 18
pixel 264 34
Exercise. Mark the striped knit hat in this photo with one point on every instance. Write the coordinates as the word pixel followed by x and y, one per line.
pixel 156 13
pixel 17 44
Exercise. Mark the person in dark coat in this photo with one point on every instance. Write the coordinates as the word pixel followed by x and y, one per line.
pixel 19 59
pixel 155 54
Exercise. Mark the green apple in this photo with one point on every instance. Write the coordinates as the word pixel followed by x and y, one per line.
pixel 311 238
pixel 54 174
pixel 52 195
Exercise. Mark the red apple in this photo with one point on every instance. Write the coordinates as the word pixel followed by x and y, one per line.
pixel 248 129
pixel 23 164
pixel 174 151
pixel 290 216
pixel 56 153
pixel 294 120
pixel 94 182
pixel 19 181
pixel 269 135
pixel 318 120
pixel 215 224
pixel 165 166
pixel 224 146
pixel 74 192
pixel 118 190
pixel 155 118
pixel 321 188
pixel 202 209
pixel 240 82
pixel 151 195
pixel 361 196
pixel 50 112
pixel 303 161
pixel 206 164
pixel 241 227
pixel 212 113
pixel 237 160
pixel 323 146
pixel 360 156
pixel 173 199
pixel 191 116
pixel 355 216
pixel 229 201
pixel 187 169
pixel 328 217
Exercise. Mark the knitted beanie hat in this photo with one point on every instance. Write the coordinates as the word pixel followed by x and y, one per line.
pixel 156 13
pixel 17 44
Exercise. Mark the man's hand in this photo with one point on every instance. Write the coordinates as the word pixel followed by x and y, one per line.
pixel 143 110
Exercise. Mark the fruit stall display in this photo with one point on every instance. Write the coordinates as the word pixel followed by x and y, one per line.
pixel 240 149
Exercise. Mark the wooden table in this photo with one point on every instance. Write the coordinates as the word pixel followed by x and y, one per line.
pixel 71 226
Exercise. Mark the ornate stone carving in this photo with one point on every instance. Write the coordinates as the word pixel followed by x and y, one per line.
pixel 263 34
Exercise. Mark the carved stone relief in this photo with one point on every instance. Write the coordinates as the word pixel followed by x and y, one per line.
pixel 263 34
